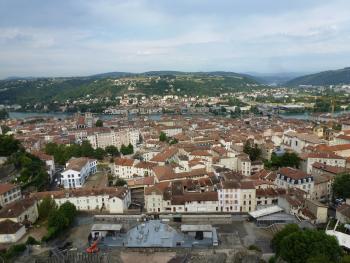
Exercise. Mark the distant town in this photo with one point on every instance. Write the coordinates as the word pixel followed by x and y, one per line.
pixel 188 177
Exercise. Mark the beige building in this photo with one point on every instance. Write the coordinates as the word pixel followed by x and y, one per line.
pixel 248 196
pixel 322 187
pixel 11 232
pixel 318 210
pixel 9 193
pixel 111 200
pixel 24 211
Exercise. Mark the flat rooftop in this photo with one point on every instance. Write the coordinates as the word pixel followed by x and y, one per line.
pixel 106 227
pixel 192 228
pixel 265 211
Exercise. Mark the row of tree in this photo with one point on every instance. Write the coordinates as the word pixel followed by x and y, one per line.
pixel 58 218
pixel 32 171
pixel 62 153
pixel 285 160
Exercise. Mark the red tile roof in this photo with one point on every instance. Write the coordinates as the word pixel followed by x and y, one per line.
pixel 293 173
pixel 4 188
pixel 124 162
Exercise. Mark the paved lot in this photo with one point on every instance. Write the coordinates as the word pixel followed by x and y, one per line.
pixel 234 236
pixel 159 257
pixel 97 180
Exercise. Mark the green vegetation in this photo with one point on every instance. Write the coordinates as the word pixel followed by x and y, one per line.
pixel 8 145
pixel 254 247
pixel 170 140
pixel 285 160
pixel 45 207
pixel 252 150
pixel 5 129
pixel 341 186
pixel 120 182
pixel 126 150
pixel 298 246
pixel 62 153
pixel 53 91
pixel 32 241
pixel 58 219
pixel 331 77
pixel 163 137
pixel 3 114
pixel 99 123
pixel 112 150
pixel 12 252
pixel 31 169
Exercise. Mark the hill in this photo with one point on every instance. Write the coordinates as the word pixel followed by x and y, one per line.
pixel 330 77
pixel 38 90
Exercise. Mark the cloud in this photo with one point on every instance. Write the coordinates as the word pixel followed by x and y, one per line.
pixel 74 37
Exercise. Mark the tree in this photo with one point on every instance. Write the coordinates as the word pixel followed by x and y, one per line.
pixel 285 160
pixel 301 246
pixel 130 148
pixel 69 211
pixel 99 153
pixel 279 236
pixel 123 149
pixel 341 186
pixel 46 206
pixel 8 145
pixel 99 123
pixel 345 259
pixel 112 150
pixel 5 129
pixel 126 150
pixel 120 182
pixel 86 149
pixel 173 141
pixel 163 137
pixel 3 114
pixel 321 258
pixel 31 241
pixel 57 220
pixel 252 150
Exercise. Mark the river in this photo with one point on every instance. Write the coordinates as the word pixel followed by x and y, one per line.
pixel 64 115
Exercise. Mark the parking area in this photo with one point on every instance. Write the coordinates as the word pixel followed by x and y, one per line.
pixel 234 234
pixel 97 180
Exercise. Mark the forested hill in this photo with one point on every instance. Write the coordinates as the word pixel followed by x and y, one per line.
pixel 113 84
pixel 330 77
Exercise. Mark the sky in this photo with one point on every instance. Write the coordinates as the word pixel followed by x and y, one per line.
pixel 81 37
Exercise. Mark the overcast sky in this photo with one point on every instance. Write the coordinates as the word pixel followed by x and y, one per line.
pixel 79 37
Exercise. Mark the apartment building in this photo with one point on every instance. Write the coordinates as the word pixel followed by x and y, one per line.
pixel 77 171
pixel 288 177
pixel 229 196
pixel 298 141
pixel 327 158
pixel 110 199
pixel 9 193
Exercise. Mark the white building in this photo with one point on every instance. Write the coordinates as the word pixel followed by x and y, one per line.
pixel 117 138
pixel 298 141
pixel 328 158
pixel 124 168
pixel 229 196
pixel 293 178
pixel 11 232
pixel 112 200
pixel 77 171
